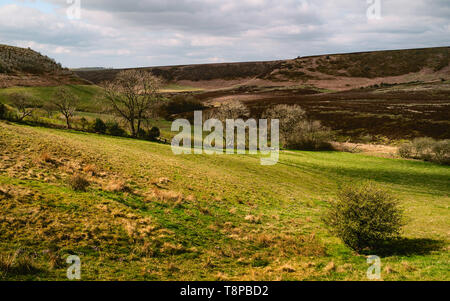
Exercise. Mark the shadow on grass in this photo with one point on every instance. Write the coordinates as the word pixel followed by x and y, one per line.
pixel 408 247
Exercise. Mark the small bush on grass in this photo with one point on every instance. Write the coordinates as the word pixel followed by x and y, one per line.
pixel 114 129
pixel 151 134
pixel 364 216
pixel 310 135
pixel 406 150
pixel 78 183
pixel 441 152
pixel 99 126
pixel 84 123
pixel 154 133
pixel 426 149
pixel 296 131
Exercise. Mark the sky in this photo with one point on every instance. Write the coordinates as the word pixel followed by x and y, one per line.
pixel 139 33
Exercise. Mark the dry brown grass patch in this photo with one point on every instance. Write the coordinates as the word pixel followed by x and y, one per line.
pixel 287 245
pixel 168 196
pixel 287 268
pixel 172 249
pixel 44 157
pixel 253 219
pixel 190 198
pixel 117 185
pixel 204 210
pixel 330 267
pixel 17 264
pixel 5 193
pixel 78 182
pixel 90 169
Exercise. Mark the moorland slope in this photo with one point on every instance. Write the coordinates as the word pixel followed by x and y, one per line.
pixel 151 215
pixel 26 67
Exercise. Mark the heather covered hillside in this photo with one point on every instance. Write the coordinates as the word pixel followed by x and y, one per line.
pixel 26 67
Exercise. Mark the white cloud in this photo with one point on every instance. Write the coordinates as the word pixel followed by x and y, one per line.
pixel 160 32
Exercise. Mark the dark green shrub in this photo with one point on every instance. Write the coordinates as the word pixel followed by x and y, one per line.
pixel 114 129
pixel 78 183
pixel 154 133
pixel 364 216
pixel 99 126
pixel 84 123
pixel 142 134
pixel 151 135
pixel 2 111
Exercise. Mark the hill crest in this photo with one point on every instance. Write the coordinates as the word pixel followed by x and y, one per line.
pixel 26 67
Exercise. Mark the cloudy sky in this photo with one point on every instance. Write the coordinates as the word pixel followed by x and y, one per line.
pixel 156 32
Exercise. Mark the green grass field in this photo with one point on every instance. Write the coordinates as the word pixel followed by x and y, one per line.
pixel 151 215
pixel 86 93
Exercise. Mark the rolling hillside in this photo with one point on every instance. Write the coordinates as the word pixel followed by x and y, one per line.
pixel 375 96
pixel 151 215
pixel 337 71
pixel 26 67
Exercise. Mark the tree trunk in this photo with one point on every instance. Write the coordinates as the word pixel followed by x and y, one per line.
pixel 139 125
pixel 68 122
pixel 133 130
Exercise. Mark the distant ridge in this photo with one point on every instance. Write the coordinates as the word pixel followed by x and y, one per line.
pixel 374 64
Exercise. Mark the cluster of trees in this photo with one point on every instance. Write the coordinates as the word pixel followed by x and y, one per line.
pixel 296 130
pixel 133 96
pixel 427 149
pixel 26 104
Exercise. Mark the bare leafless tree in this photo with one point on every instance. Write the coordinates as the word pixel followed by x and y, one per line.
pixel 66 103
pixel 289 115
pixel 230 110
pixel 24 103
pixel 132 95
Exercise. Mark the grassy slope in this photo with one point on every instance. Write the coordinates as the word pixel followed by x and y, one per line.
pixel 86 93
pixel 150 235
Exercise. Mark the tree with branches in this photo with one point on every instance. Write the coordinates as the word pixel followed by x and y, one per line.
pixel 132 95
pixel 66 103
pixel 24 103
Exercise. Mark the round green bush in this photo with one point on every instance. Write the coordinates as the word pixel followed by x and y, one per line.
pixel 99 126
pixel 364 216
pixel 114 129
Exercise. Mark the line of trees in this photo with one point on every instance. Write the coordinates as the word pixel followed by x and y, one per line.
pixel 133 96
